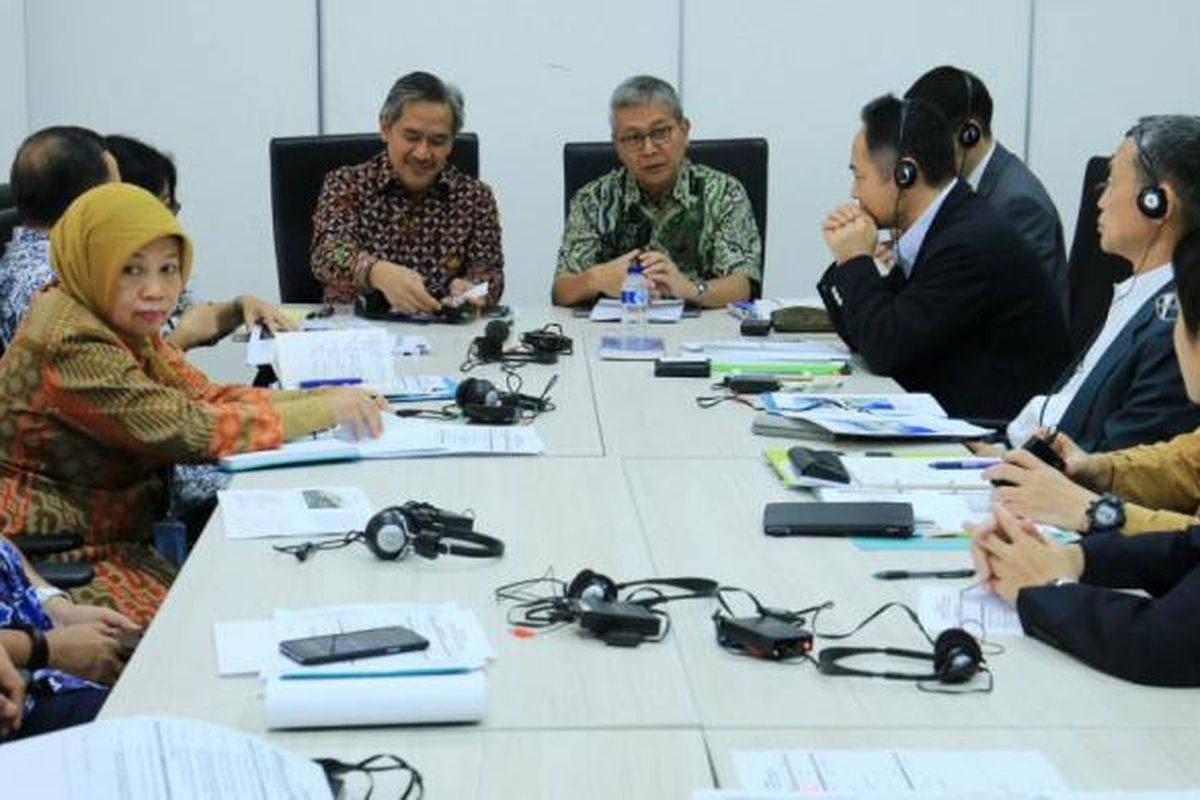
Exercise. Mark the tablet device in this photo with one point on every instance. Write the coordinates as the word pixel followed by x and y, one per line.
pixel 886 520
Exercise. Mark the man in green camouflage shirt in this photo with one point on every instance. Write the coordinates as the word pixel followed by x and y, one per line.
pixel 689 226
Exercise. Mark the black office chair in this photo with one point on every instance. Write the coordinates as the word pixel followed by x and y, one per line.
pixel 298 168
pixel 38 547
pixel 8 215
pixel 744 159
pixel 1091 272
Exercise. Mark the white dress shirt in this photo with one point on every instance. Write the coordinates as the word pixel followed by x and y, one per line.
pixel 977 174
pixel 1128 296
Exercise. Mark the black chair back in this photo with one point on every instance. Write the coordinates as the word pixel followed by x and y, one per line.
pixel 8 215
pixel 744 159
pixel 298 168
pixel 1091 272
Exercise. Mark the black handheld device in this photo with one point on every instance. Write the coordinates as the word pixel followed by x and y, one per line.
pixel 1043 450
pixel 366 643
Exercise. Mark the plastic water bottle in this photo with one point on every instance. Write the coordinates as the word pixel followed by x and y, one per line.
pixel 635 296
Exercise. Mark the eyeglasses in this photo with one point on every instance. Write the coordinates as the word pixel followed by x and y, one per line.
pixel 657 136
pixel 1166 306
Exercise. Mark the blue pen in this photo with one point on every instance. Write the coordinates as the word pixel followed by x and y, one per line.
pixel 977 463
pixel 316 383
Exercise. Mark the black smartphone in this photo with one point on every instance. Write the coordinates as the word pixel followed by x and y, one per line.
pixel 497 312
pixel 353 644
pixel 1044 451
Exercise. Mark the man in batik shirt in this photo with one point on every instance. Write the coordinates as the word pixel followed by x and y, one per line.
pixel 406 223
pixel 690 227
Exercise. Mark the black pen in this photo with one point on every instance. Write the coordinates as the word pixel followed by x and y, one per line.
pixel 900 574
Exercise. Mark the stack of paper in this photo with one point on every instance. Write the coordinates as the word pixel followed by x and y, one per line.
pixel 851 423
pixel 885 404
pixel 402 438
pixel 309 511
pixel 608 309
pixel 443 683
pixel 146 758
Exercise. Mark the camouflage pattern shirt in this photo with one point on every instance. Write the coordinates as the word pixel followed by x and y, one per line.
pixel 705 224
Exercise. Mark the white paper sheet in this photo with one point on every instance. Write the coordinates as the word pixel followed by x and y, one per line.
pixel 411 346
pixel 935 512
pixel 338 702
pixel 919 404
pixel 608 309
pixel 255 513
pixel 243 647
pixel 976 610
pixel 364 354
pixel 142 758
pixel 898 771
pixel 645 348
pixel 837 422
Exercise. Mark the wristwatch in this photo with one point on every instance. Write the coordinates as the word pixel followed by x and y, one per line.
pixel 701 287
pixel 39 650
pixel 1105 514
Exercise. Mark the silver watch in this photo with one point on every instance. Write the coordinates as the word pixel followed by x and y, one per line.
pixel 701 287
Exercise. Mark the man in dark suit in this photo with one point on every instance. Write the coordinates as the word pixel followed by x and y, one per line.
pixel 994 172
pixel 1126 389
pixel 966 314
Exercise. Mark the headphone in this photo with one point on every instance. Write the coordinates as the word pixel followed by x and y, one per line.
pixel 956 659
pixel 490 347
pixel 1151 199
pixel 482 402
pixel 904 173
pixel 594 601
pixel 414 527
pixel 970 132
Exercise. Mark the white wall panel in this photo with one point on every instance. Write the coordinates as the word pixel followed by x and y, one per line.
pixel 14 116
pixel 208 80
pixel 799 72
pixel 535 74
pixel 1098 66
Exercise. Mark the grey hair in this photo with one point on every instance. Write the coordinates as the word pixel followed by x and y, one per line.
pixel 641 90
pixel 422 86
pixel 1168 145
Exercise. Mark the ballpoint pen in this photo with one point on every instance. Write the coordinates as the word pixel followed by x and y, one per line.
pixel 901 574
pixel 316 383
pixel 969 463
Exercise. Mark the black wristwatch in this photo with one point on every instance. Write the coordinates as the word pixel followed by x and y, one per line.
pixel 39 650
pixel 1106 514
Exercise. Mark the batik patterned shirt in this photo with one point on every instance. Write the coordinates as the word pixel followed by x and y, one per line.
pixel 705 224
pixel 20 609
pixel 451 230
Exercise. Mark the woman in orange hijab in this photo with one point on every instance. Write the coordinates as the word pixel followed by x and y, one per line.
pixel 95 406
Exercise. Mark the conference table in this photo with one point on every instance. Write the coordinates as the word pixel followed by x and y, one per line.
pixel 636 481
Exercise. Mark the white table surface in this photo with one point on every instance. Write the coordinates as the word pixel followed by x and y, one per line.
pixel 637 481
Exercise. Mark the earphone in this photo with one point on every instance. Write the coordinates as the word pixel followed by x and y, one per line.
pixel 1151 199
pixel 482 402
pixel 594 601
pixel 904 173
pixel 956 657
pixel 970 132
pixel 415 527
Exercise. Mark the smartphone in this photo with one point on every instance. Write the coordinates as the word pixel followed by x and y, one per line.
pixel 353 644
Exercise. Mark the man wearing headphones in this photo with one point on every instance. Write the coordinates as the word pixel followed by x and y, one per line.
pixel 1126 388
pixel 992 171
pixel 967 313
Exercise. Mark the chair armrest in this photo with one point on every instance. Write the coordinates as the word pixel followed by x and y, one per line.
pixel 42 545
pixel 66 576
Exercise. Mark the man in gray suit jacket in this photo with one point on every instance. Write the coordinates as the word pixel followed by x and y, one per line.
pixel 993 172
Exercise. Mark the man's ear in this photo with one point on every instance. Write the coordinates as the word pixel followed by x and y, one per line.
pixel 685 125
pixel 1172 204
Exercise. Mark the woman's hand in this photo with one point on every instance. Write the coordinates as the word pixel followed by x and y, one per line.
pixel 12 696
pixel 64 612
pixel 1039 492
pixel 356 409
pixel 256 311
pixel 1011 555
pixel 90 650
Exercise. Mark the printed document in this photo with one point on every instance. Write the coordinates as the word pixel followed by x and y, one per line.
pixel 255 513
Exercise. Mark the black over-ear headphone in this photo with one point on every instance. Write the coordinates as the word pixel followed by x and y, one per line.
pixel 970 132
pixel 427 531
pixel 590 588
pixel 1151 199
pixel 956 658
pixel 482 402
pixel 414 527
pixel 905 171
